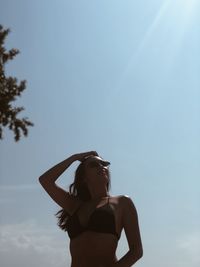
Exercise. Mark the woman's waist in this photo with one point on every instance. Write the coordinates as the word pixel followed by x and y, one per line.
pixel 93 261
pixel 95 243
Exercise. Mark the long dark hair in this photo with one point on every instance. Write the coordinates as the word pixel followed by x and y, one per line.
pixel 78 189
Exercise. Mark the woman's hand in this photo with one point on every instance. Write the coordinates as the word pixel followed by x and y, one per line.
pixel 82 156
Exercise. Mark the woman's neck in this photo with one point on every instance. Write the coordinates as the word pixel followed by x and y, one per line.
pixel 98 192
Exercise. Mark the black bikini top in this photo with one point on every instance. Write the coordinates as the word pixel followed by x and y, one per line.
pixel 102 220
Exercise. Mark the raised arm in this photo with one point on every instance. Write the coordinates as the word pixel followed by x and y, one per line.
pixel 50 176
pixel 58 194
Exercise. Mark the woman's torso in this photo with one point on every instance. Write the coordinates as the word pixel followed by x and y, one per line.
pixel 96 247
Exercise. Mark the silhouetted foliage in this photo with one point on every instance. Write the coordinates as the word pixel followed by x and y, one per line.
pixel 10 89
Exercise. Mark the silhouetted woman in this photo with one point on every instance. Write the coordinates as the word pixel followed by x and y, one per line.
pixel 92 217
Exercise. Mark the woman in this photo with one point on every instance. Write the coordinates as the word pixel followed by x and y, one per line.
pixel 93 219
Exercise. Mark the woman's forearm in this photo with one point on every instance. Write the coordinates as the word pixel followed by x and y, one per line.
pixel 130 258
pixel 53 173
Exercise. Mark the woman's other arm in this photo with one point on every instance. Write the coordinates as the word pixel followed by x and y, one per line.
pixel 131 228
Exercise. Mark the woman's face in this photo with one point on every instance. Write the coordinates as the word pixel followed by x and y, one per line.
pixel 96 170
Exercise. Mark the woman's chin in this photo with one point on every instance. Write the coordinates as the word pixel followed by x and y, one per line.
pixel 102 175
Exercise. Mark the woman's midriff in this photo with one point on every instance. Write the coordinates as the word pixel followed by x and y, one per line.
pixel 93 249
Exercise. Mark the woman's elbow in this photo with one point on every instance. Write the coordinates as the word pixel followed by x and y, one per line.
pixel 140 253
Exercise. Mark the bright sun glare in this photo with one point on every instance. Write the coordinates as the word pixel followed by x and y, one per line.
pixel 174 19
pixel 189 3
pixel 188 6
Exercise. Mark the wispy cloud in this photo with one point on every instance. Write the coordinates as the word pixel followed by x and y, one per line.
pixel 29 244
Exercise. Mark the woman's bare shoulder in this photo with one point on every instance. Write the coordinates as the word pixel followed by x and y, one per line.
pixel 122 200
pixel 121 197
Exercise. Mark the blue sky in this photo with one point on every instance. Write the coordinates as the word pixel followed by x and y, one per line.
pixel 118 77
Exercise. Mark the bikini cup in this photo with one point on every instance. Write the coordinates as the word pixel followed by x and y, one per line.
pixel 101 220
